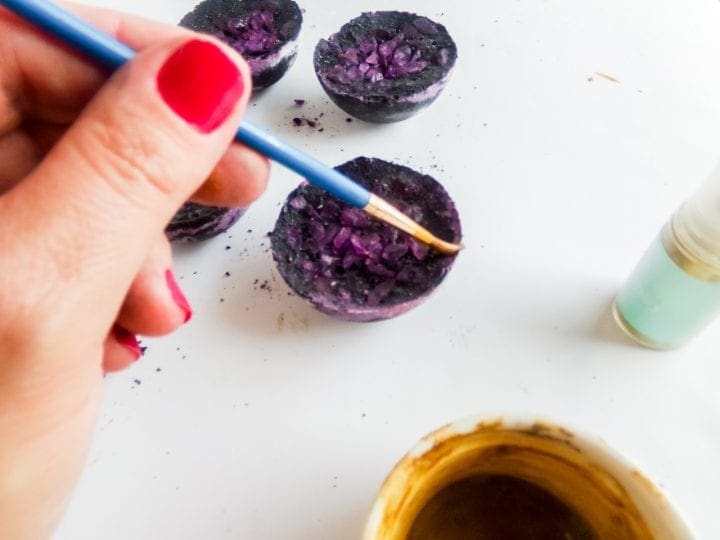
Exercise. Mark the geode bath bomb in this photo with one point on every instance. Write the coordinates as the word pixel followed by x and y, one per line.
pixel 264 32
pixel 385 66
pixel 352 266
pixel 195 222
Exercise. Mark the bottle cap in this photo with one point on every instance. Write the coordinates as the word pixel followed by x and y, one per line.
pixel 697 222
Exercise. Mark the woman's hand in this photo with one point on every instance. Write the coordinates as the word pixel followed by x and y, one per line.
pixel 90 173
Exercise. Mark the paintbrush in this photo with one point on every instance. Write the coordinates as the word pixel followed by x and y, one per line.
pixel 108 51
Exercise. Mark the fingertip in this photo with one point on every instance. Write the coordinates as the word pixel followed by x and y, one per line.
pixel 178 297
pixel 122 349
pixel 155 304
pixel 202 83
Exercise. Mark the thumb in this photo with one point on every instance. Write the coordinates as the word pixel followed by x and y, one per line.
pixel 143 145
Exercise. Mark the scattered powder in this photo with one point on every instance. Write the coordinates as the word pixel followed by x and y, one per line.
pixel 312 123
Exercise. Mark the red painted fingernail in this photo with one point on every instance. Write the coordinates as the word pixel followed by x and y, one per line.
pixel 201 84
pixel 177 295
pixel 127 340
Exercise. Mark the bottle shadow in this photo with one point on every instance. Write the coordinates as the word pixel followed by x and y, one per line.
pixel 606 328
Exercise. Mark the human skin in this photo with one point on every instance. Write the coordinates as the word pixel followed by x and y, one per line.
pixel 92 170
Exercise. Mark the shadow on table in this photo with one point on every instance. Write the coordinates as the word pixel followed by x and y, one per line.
pixel 607 330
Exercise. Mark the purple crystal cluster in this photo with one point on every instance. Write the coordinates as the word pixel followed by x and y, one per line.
pixel 389 54
pixel 337 240
pixel 265 32
pixel 343 260
pixel 385 66
pixel 254 34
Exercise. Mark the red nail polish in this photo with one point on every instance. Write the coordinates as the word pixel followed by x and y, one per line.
pixel 177 295
pixel 201 84
pixel 127 340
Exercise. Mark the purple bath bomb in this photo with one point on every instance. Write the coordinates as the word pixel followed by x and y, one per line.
pixel 264 32
pixel 196 222
pixel 357 268
pixel 385 66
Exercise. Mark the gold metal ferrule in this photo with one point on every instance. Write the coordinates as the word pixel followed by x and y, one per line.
pixel 685 259
pixel 384 211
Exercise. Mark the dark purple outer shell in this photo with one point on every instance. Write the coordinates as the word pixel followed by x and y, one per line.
pixel 196 222
pixel 265 32
pixel 385 66
pixel 352 266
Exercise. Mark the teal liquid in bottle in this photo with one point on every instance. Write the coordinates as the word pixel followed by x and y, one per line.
pixel 662 304
pixel 674 291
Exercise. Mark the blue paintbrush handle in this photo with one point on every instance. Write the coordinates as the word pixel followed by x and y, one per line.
pixel 108 51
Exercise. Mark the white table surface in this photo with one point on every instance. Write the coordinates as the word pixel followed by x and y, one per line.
pixel 263 419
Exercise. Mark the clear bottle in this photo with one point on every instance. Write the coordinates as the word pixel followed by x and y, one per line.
pixel 674 291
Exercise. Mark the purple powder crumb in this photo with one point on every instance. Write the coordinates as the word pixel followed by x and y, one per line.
pixel 158 370
pixel 227 247
pixel 137 382
pixel 299 102
pixel 302 121
pixel 227 274
pixel 348 120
